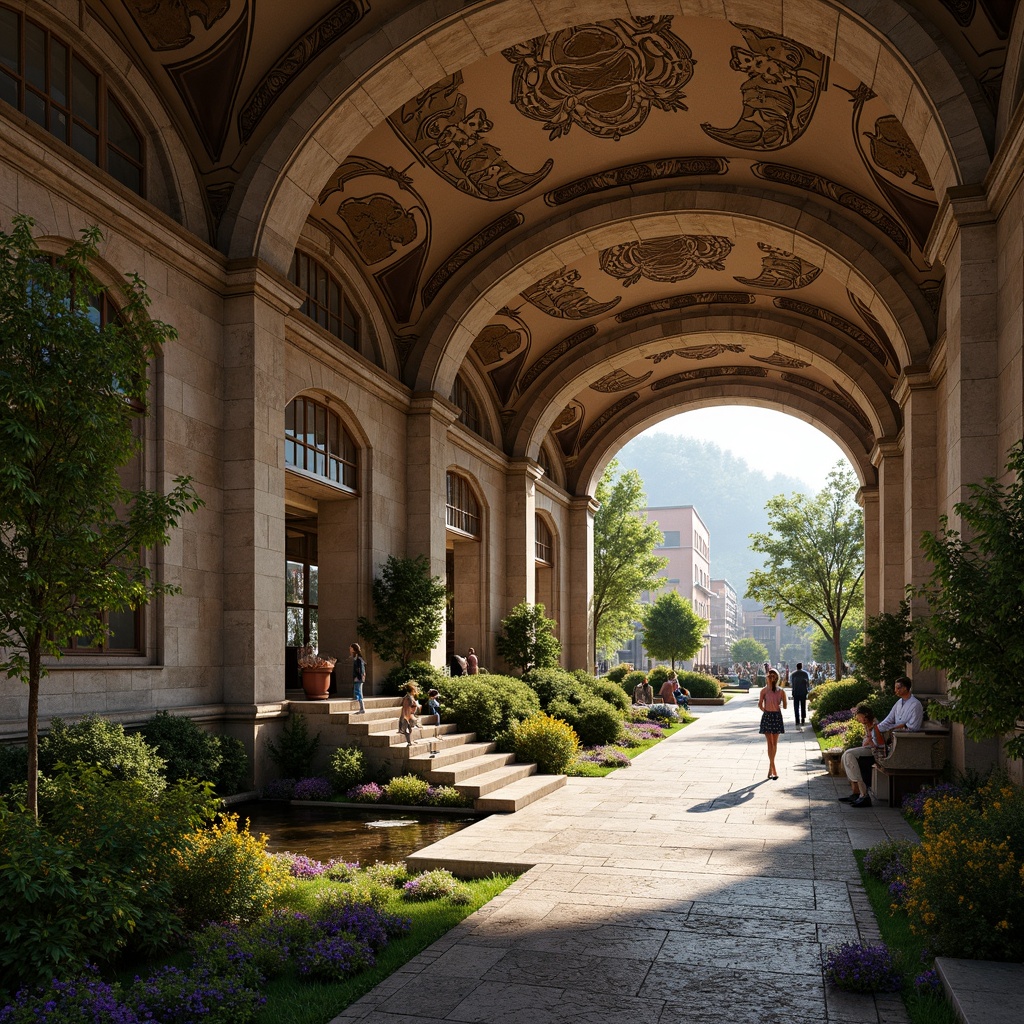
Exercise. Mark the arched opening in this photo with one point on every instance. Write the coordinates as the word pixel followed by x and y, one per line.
pixel 464 569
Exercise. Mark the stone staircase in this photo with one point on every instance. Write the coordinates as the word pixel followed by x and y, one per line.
pixel 439 753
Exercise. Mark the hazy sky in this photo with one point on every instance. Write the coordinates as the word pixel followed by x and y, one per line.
pixel 769 441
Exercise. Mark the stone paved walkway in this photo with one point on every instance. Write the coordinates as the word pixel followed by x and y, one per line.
pixel 686 887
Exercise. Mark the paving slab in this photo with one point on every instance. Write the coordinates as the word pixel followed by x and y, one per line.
pixel 687 887
pixel 983 992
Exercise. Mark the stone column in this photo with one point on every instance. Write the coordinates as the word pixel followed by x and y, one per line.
pixel 521 530
pixel 578 640
pixel 430 415
pixel 341 542
pixel 257 301
pixel 917 397
pixel 887 457
pixel 867 497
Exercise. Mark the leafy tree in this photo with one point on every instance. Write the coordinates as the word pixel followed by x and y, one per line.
pixel 624 561
pixel 822 647
pixel 748 649
pixel 976 628
pixel 527 639
pixel 71 533
pixel 882 651
pixel 672 629
pixel 409 605
pixel 814 567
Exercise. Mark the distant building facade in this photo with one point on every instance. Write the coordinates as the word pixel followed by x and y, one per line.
pixel 726 621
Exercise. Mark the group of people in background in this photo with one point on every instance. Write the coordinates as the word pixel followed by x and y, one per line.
pixel 464 666
pixel 670 692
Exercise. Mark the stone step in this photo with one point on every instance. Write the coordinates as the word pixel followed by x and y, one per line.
pixel 448 756
pixel 464 771
pixel 519 794
pixel 444 735
pixel 487 782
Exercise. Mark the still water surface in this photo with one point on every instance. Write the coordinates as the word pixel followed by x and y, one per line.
pixel 364 836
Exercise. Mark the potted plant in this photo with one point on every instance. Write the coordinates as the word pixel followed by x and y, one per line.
pixel 316 674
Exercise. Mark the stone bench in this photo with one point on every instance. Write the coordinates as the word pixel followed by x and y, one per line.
pixel 914 759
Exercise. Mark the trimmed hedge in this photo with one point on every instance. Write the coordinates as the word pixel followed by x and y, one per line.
pixel 548 742
pixel 630 681
pixel 487 706
pixel 611 694
pixel 550 683
pixel 595 721
pixel 421 671
pixel 830 697
pixel 657 676
pixel 700 685
pixel 619 673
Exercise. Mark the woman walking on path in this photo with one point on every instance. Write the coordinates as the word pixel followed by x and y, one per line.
pixel 771 700
pixel 358 675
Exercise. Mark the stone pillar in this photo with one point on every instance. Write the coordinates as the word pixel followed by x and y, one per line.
pixel 430 415
pixel 257 301
pixel 967 246
pixel 578 640
pixel 887 457
pixel 867 497
pixel 521 530
pixel 341 542
pixel 917 397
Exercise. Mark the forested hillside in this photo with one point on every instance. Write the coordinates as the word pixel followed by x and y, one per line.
pixel 729 496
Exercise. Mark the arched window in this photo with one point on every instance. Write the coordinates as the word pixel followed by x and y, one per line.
pixel 462 512
pixel 316 442
pixel 543 543
pixel 47 81
pixel 326 303
pixel 469 414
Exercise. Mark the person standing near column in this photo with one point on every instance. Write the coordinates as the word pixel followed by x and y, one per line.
pixel 799 681
pixel 358 675
pixel 472 664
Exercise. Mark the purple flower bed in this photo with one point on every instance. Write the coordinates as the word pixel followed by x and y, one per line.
pixel 856 968
pixel 367 793
pixel 928 982
pixel 836 717
pixel 173 996
pixel 644 731
pixel 279 789
pixel 301 866
pixel 313 789
pixel 84 999
pixel 607 757
pixel 835 729
pixel 332 957
pixel 913 805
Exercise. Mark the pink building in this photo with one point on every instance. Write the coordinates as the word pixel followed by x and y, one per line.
pixel 687 546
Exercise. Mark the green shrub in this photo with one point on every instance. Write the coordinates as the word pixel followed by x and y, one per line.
pixel 881 702
pixel 234 765
pixel 421 672
pixel 550 683
pixel 223 874
pixel 630 682
pixel 406 789
pixel 619 673
pixel 581 675
pixel 549 743
pixel 294 751
pixel 96 742
pixel 13 766
pixel 593 720
pixel 189 752
pixel 657 676
pixel 611 694
pixel 830 697
pixel 92 876
pixel 392 876
pixel 447 796
pixel 435 885
pixel 818 692
pixel 488 706
pixel 347 767
pixel 700 685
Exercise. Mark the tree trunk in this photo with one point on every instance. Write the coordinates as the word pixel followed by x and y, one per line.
pixel 837 643
pixel 33 727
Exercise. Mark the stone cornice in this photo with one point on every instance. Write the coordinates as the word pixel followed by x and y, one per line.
pixel 252 276
pixel 1007 168
pixel 435 405
pixel 886 448
pixel 578 502
pixel 911 378
pixel 960 207
pixel 525 466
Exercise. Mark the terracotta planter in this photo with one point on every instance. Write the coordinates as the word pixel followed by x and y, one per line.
pixel 316 682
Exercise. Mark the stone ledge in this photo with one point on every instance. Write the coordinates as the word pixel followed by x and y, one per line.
pixel 982 991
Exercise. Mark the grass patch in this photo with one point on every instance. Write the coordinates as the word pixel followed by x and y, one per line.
pixel 588 770
pixel 907 947
pixel 293 1001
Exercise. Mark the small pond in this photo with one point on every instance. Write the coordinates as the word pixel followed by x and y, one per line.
pixel 364 836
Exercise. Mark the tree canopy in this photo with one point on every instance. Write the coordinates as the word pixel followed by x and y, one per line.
pixel 624 561
pixel 882 651
pixel 73 536
pixel 822 647
pixel 975 630
pixel 748 649
pixel 673 631
pixel 814 558
pixel 527 639
pixel 409 607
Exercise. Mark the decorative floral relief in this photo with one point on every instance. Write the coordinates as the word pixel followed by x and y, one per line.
pixel 618 380
pixel 438 126
pixel 558 296
pixel 784 83
pixel 695 352
pixel 781 269
pixel 603 77
pixel 674 258
pixel 782 360
pixel 167 24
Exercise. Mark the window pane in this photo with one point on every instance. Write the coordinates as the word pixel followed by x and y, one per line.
pixel 85 142
pixel 58 72
pixel 314 589
pixel 35 107
pixel 126 173
pixel 314 629
pixel 84 100
pixel 289 420
pixel 294 633
pixel 58 123
pixel 348 477
pixel 8 88
pixel 35 55
pixel 294 584
pixel 122 631
pixel 289 453
pixel 321 427
pixel 120 133
pixel 9 36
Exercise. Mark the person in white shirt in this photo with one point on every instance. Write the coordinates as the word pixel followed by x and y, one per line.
pixel 907 713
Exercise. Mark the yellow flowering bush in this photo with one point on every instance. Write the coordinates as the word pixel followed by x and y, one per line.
pixel 547 741
pixel 967 876
pixel 224 873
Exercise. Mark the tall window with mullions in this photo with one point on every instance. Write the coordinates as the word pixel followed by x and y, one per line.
pixel 301 588
pixel 316 442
